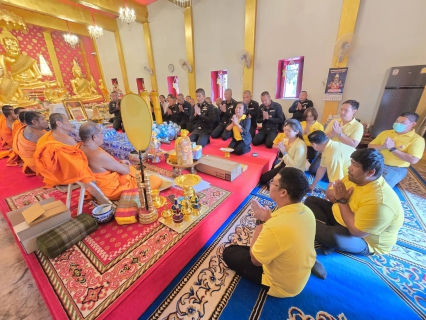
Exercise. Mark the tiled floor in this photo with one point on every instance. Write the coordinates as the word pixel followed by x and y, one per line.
pixel 19 296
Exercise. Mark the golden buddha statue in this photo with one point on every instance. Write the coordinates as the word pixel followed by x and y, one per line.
pixel 83 89
pixel 10 91
pixel 23 68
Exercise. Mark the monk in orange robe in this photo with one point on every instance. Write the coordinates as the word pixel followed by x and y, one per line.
pixel 24 143
pixel 14 159
pixel 112 176
pixel 57 158
pixel 6 137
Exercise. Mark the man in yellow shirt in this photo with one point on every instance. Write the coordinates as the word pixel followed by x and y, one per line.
pixel 335 158
pixel 400 147
pixel 281 252
pixel 347 129
pixel 364 214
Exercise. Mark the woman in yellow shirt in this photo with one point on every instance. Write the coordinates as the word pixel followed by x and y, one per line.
pixel 309 125
pixel 239 124
pixel 293 149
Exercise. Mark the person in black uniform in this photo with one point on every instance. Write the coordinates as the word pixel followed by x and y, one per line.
pixel 173 113
pixel 114 108
pixel 226 112
pixel 202 119
pixel 185 111
pixel 299 106
pixel 252 111
pixel 239 127
pixel 272 118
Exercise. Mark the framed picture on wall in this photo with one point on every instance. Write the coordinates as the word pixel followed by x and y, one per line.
pixel 75 110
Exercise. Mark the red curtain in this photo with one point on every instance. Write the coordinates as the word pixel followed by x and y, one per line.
pixel 141 84
pixel 173 85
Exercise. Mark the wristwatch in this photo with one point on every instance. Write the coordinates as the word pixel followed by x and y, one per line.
pixel 340 134
pixel 259 222
pixel 392 149
pixel 342 201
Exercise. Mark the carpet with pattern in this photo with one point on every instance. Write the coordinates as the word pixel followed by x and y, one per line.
pixel 91 277
pixel 376 287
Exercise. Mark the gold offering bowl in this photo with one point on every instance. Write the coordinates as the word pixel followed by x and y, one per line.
pixel 167 215
pixel 157 200
pixel 187 182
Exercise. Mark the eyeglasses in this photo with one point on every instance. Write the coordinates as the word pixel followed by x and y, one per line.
pixel 271 182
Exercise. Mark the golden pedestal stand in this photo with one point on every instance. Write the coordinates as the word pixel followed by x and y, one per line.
pixel 227 151
pixel 177 169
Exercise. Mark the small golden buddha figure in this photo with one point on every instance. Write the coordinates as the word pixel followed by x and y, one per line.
pixel 23 68
pixel 55 94
pixel 83 89
pixel 104 90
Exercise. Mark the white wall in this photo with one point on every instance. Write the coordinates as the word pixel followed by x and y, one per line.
pixel 218 36
pixel 135 56
pixel 391 33
pixel 292 28
pixel 167 28
pixel 108 57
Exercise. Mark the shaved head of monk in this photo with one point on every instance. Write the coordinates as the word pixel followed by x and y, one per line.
pixel 61 128
pixel 35 119
pixel 8 111
pixel 58 120
pixel 91 132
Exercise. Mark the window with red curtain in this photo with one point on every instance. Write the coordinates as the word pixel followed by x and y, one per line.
pixel 173 85
pixel 289 78
pixel 219 83
pixel 141 84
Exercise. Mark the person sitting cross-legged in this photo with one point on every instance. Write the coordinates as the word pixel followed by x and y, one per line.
pixel 309 125
pixel 364 214
pixel 400 147
pixel 335 159
pixel 271 117
pixel 112 176
pixel 292 149
pixel 239 127
pixel 281 252
pixel 26 139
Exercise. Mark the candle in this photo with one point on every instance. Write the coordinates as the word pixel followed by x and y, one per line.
pixel 157 107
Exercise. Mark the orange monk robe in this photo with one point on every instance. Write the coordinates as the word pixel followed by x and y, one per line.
pixel 60 163
pixel 6 139
pixel 14 159
pixel 25 149
pixel 113 183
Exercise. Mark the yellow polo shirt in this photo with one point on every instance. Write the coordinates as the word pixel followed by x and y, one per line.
pixel 409 142
pixel 296 155
pixel 336 157
pixel 285 248
pixel 316 126
pixel 236 132
pixel 353 129
pixel 279 138
pixel 378 211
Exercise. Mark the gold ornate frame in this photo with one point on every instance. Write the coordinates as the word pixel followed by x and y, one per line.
pixel 74 107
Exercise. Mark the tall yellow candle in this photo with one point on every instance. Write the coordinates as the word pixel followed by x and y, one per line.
pixel 157 107
pixel 145 96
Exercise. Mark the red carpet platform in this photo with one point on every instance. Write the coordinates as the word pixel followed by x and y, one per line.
pixel 118 271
